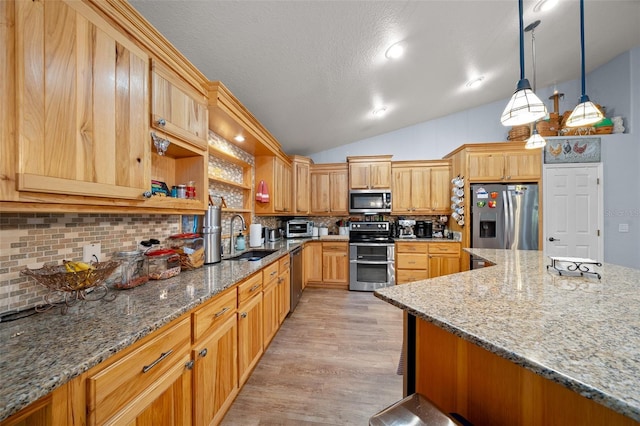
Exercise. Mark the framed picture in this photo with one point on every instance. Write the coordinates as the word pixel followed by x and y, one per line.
pixel 577 149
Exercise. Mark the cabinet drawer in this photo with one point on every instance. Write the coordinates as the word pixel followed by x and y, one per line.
pixel 113 387
pixel 270 274
pixel 284 264
pixel 404 247
pixel 404 276
pixel 444 248
pixel 337 247
pixel 412 261
pixel 213 313
pixel 251 286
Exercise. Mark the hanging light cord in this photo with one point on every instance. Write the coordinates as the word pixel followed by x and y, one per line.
pixel 521 40
pixel 584 84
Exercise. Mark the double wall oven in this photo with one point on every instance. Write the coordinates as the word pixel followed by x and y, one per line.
pixel 371 256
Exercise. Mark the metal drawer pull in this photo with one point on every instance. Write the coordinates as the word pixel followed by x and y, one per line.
pixel 154 363
pixel 254 288
pixel 189 365
pixel 203 352
pixel 243 315
pixel 273 273
pixel 217 314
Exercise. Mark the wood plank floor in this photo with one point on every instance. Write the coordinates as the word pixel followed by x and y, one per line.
pixel 333 362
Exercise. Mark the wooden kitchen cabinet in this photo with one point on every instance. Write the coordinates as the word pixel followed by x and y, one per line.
pixel 335 264
pixel 421 187
pixel 514 166
pixel 82 104
pixel 178 105
pixel 51 410
pixel 250 340
pixel 270 299
pixel 301 197
pixel 151 380
pixel 370 172
pixel 329 189
pixel 276 173
pixel 284 288
pixel 444 259
pixel 311 253
pixel 411 261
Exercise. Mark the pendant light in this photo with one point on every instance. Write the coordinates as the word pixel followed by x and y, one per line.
pixel 535 140
pixel 524 107
pixel 586 113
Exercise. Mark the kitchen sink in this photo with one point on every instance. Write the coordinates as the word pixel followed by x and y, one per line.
pixel 252 255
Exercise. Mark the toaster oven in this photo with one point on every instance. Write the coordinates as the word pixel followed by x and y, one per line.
pixel 299 228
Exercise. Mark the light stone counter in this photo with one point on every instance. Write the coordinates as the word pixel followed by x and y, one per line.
pixel 44 351
pixel 580 332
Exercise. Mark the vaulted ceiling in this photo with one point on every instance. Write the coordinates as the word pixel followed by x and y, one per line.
pixel 313 71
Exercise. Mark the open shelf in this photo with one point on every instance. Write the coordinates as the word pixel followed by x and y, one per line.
pixel 229 182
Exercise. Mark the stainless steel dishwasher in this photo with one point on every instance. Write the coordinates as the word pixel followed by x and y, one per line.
pixel 296 277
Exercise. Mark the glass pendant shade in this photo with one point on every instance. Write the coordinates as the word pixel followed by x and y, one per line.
pixel 535 141
pixel 585 113
pixel 524 107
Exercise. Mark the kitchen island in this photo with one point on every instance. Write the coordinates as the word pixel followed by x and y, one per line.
pixel 515 343
pixel 42 352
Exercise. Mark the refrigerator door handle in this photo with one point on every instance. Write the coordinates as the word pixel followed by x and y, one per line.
pixel 507 219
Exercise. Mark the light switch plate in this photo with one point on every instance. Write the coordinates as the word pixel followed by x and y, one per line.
pixel 91 250
pixel 623 227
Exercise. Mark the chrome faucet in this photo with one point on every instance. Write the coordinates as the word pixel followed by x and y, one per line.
pixel 232 249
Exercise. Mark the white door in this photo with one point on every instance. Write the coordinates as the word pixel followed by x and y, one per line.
pixel 573 210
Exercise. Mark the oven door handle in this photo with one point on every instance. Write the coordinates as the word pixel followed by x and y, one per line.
pixel 371 244
pixel 371 262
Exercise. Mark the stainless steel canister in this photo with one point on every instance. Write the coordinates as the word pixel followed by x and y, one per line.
pixel 212 234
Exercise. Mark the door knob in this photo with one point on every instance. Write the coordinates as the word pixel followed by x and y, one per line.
pixel 553 239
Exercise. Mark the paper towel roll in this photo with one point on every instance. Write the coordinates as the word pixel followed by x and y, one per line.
pixel 255 235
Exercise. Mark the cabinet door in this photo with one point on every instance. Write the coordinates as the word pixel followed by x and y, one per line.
pixel 82 104
pixel 320 193
pixel 50 410
pixel 339 194
pixel 359 175
pixel 215 374
pixel 523 166
pixel 443 265
pixel 183 109
pixel 269 312
pixel 421 190
pixel 284 295
pixel 282 186
pixel 380 175
pixel 402 186
pixel 440 196
pixel 486 166
pixel 302 188
pixel 335 263
pixel 249 337
pixel 311 253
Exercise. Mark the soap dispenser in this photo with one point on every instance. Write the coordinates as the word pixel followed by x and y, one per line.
pixel 240 242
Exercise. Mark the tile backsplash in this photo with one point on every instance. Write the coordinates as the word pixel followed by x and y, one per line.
pixel 30 240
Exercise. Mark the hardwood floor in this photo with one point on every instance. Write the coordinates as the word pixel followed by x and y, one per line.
pixel 333 362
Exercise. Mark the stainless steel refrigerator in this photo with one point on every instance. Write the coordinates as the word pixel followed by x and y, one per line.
pixel 504 216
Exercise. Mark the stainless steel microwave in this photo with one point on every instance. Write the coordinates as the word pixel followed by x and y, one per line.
pixel 299 228
pixel 369 201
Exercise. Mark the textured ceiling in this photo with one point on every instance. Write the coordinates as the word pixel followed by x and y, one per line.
pixel 313 71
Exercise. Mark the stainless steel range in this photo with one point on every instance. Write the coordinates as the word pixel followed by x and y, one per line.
pixel 371 256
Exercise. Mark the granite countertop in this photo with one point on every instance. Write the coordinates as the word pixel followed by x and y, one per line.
pixel 46 350
pixel 580 332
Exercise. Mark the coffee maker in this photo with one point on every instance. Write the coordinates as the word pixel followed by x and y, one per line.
pixel 424 229
pixel 405 228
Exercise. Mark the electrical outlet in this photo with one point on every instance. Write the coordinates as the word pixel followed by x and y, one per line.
pixel 623 227
pixel 91 252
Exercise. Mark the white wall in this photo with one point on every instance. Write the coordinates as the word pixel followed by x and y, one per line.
pixel 615 85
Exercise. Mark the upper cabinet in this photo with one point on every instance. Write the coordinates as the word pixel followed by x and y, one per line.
pixel 300 183
pixel 329 189
pixel 177 108
pixel 421 187
pixel 82 111
pixel 505 166
pixel 370 172
pixel 276 174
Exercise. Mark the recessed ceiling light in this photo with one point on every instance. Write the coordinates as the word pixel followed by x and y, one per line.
pixel 239 138
pixel 475 83
pixel 545 5
pixel 379 112
pixel 394 51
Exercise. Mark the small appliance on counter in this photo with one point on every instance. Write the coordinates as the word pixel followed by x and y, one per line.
pixel 298 228
pixel 212 234
pixel 406 228
pixel 424 229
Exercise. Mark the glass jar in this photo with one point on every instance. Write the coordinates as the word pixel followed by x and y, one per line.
pixel 133 269
pixel 182 191
pixel 163 263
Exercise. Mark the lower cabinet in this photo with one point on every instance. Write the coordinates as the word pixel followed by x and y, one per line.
pixel 444 259
pixel 270 297
pixel 311 254
pixel 333 271
pixel 284 288
pixel 50 410
pixel 250 340
pixel 418 260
